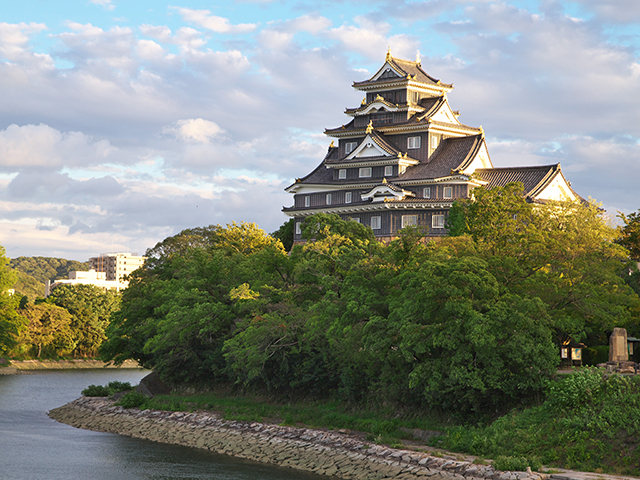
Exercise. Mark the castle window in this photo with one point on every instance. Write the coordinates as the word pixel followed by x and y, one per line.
pixel 347 197
pixel 364 172
pixel 413 142
pixel 447 192
pixel 382 119
pixel 434 142
pixel 426 192
pixel 350 147
pixel 356 219
pixel 388 170
pixel 328 199
pixel 402 169
pixel 409 220
pixel 437 221
pixel 298 229
pixel 376 223
pixel 307 201
pixel 342 173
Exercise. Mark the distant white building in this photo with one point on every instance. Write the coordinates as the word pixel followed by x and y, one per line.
pixel 116 266
pixel 91 277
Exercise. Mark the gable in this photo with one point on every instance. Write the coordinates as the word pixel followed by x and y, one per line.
pixel 386 191
pixel 387 71
pixel 368 148
pixel 445 114
pixel 558 189
pixel 481 159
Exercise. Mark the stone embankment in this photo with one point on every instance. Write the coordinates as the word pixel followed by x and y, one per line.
pixel 325 453
pixel 21 366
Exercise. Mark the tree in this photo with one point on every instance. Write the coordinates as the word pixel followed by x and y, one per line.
pixel 90 308
pixel 49 328
pixel 285 234
pixel 177 312
pixel 630 234
pixel 11 323
pixel 564 253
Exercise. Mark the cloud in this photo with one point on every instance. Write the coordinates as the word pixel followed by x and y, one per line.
pixel 40 146
pixel 217 24
pixel 370 39
pixel 615 11
pixel 195 130
pixel 106 4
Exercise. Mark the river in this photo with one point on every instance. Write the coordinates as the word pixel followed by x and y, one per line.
pixel 33 447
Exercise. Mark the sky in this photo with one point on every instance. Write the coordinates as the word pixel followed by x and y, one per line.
pixel 125 122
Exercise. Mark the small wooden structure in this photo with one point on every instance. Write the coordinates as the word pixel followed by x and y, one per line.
pixel 571 354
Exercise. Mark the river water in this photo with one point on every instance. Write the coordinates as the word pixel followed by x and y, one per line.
pixel 34 447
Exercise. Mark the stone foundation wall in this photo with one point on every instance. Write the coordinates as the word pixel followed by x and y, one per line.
pixel 324 453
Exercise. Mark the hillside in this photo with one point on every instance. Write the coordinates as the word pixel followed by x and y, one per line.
pixel 33 272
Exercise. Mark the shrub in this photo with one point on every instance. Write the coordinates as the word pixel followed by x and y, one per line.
pixel 576 389
pixel 133 400
pixel 516 464
pixel 96 391
pixel 594 355
pixel 117 386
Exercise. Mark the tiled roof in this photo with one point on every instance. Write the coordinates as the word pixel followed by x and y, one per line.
pixel 407 67
pixel 452 154
pixel 532 178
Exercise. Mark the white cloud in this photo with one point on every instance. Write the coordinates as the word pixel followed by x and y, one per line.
pixel 195 130
pixel 213 22
pixel 29 146
pixel 106 4
pixel 370 39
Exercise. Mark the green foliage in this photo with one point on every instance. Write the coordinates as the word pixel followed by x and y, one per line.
pixel 575 390
pixel 49 331
pixel 96 391
pixel 11 323
pixel 285 234
pixel 47 268
pixel 28 286
pixel 133 400
pixel 105 391
pixel 517 464
pixel 592 356
pixel 90 308
pixel 589 421
pixel 630 234
pixel 470 324
pixel 117 386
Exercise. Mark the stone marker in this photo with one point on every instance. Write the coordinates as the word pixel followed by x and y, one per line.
pixel 618 346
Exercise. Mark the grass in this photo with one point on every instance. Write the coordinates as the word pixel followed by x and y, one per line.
pixel 589 422
pixel 381 425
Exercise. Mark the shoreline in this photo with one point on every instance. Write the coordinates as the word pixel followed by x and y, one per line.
pixel 328 453
pixel 20 366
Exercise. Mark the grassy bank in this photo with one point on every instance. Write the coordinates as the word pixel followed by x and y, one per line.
pixel 588 422
pixel 383 425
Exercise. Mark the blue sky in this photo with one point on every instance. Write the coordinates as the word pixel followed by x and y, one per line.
pixel 125 122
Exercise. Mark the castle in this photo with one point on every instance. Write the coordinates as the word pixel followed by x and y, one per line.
pixel 404 158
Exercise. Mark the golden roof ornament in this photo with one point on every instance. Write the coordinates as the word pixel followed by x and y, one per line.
pixel 481 131
pixel 399 154
pixel 388 57
pixel 332 145
pixel 369 128
pixel 384 180
pixel 364 101
pixel 418 61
